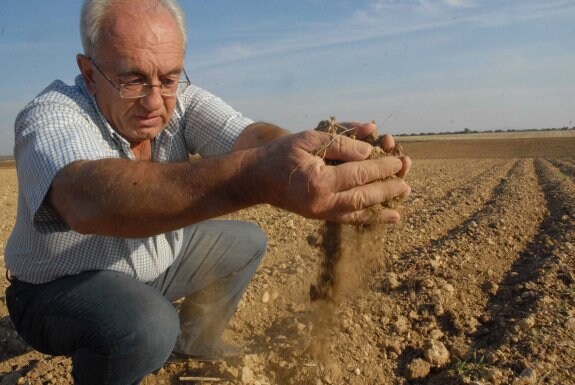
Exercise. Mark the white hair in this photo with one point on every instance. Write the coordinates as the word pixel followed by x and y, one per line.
pixel 94 12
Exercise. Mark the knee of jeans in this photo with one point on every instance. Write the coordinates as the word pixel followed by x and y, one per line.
pixel 258 237
pixel 149 333
pixel 142 344
pixel 157 330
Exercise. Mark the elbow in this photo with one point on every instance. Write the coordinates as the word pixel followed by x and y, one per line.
pixel 70 203
pixel 78 222
pixel 82 227
pixel 74 215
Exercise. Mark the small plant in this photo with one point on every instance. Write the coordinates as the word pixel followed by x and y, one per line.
pixel 472 368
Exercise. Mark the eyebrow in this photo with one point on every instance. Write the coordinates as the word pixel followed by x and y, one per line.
pixel 175 71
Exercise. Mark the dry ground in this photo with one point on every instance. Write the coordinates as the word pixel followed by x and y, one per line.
pixel 475 286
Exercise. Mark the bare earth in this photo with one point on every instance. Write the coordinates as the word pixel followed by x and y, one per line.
pixel 475 286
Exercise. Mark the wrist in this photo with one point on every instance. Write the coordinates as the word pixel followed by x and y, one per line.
pixel 258 134
pixel 249 182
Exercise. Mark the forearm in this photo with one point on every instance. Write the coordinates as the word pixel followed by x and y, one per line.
pixel 120 197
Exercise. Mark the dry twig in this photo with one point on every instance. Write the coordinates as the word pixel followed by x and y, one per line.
pixel 205 379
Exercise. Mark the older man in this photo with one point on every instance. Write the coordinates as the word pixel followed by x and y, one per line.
pixel 111 224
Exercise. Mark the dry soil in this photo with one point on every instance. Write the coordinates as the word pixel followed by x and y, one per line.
pixel 475 286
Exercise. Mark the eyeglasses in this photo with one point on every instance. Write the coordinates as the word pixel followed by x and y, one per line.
pixel 168 88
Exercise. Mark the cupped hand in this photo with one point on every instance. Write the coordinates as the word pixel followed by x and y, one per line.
pixel 291 173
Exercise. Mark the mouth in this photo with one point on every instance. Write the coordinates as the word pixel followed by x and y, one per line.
pixel 149 121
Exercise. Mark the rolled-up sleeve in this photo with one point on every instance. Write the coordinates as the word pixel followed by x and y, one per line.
pixel 50 133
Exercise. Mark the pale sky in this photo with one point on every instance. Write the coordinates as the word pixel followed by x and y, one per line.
pixel 411 65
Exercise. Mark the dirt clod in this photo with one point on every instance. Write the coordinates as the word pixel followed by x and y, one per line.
pixel 417 369
pixel 436 353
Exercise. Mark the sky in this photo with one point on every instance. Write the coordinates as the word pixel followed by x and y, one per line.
pixel 410 65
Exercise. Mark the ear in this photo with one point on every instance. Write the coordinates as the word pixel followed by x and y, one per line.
pixel 87 71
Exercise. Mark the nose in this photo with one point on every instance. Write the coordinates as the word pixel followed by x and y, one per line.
pixel 154 100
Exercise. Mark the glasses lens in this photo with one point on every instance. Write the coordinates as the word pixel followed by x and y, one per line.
pixel 139 90
pixel 170 88
pixel 174 89
pixel 133 90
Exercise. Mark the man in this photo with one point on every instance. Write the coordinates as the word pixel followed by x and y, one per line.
pixel 111 216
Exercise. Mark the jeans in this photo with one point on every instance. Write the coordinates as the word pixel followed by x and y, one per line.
pixel 117 330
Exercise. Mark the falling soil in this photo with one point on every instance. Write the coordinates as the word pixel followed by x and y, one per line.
pixel 344 260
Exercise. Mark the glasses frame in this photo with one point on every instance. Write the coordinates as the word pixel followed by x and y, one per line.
pixel 146 86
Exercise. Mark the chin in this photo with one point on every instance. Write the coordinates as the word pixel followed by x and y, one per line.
pixel 146 133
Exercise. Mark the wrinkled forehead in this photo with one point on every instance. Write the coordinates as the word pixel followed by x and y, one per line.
pixel 144 26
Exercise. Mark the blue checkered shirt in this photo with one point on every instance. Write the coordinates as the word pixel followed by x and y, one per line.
pixel 62 125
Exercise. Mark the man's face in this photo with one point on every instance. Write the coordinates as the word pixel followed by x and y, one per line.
pixel 142 47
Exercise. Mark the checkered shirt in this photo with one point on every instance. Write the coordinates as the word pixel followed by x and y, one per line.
pixel 62 125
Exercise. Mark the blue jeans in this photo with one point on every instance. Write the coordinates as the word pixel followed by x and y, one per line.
pixel 117 330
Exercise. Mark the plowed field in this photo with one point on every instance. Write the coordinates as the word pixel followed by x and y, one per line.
pixel 475 286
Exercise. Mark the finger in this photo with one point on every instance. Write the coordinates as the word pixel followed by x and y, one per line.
pixel 343 148
pixel 387 143
pixel 328 146
pixel 361 130
pixel 363 197
pixel 349 175
pixel 406 165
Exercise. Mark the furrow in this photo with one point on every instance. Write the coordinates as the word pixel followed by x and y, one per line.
pixel 527 321
pixel 436 217
pixel 453 174
pixel 565 167
pixel 463 267
pixel 569 160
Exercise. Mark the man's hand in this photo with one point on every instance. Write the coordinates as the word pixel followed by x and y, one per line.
pixel 287 174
